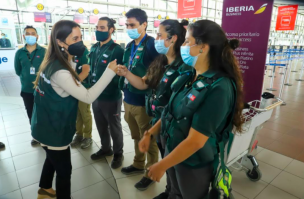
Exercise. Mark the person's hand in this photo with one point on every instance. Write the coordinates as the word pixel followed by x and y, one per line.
pixel 86 68
pixel 113 65
pixel 156 171
pixel 122 70
pixel 144 143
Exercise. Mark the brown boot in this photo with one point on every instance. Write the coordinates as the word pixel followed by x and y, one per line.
pixel 43 194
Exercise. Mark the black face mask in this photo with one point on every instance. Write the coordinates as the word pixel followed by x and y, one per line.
pixel 77 49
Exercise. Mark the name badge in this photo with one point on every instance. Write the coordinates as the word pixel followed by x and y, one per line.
pixel 140 48
pixel 169 73
pixel 79 67
pixel 32 70
pixel 105 55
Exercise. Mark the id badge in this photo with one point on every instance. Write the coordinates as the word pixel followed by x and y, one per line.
pixel 94 74
pixel 32 70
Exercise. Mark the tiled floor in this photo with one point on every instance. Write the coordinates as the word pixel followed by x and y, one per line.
pixel 281 158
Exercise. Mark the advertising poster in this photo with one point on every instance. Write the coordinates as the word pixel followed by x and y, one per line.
pixel 189 9
pixel 286 19
pixel 249 21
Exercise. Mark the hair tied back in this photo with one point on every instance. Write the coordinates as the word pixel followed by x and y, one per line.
pixel 234 43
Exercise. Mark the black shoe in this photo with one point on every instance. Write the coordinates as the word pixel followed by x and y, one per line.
pixel 163 195
pixel 143 184
pixel 117 161
pixel 101 154
pixel 2 145
pixel 34 142
pixel 131 170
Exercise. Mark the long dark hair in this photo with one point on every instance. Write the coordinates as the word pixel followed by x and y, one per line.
pixel 61 30
pixel 156 69
pixel 221 58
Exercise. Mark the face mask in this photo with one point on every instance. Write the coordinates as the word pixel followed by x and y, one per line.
pixel 3 36
pixel 101 36
pixel 30 40
pixel 133 33
pixel 77 49
pixel 187 58
pixel 160 47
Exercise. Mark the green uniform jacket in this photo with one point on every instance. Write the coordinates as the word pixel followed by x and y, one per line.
pixel 99 58
pixel 204 105
pixel 23 63
pixel 157 99
pixel 81 61
pixel 138 68
pixel 54 117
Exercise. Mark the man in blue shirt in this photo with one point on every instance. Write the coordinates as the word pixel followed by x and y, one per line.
pixel 138 56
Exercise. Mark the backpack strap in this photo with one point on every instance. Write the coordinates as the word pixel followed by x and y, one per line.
pixel 113 45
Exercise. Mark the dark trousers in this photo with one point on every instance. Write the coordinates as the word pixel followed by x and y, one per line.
pixel 162 153
pixel 189 183
pixel 59 162
pixel 107 118
pixel 28 99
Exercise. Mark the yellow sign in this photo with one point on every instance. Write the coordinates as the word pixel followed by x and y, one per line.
pixel 124 13
pixel 96 11
pixel 80 10
pixel 40 6
pixel 167 17
pixel 159 17
pixel 187 19
pixel 194 20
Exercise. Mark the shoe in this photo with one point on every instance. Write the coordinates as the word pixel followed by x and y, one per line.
pixel 77 140
pixel 42 194
pixel 34 142
pixel 2 145
pixel 163 195
pixel 100 154
pixel 143 184
pixel 86 142
pixel 131 170
pixel 117 161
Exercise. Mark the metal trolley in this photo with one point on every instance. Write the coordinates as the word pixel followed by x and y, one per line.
pixel 256 113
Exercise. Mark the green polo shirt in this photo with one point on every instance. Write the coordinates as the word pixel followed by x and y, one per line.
pixel 23 63
pixel 81 61
pixel 209 118
pixel 99 58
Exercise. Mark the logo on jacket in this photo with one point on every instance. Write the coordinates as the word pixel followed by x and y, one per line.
pixel 165 80
pixel 104 61
pixel 41 93
pixel 137 57
pixel 191 97
pixel 38 56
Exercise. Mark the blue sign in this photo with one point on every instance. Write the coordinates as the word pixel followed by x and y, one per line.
pixel 3 59
pixel 48 17
pixel 4 21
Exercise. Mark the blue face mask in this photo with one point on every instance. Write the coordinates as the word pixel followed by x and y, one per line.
pixel 133 33
pixel 187 58
pixel 30 40
pixel 160 47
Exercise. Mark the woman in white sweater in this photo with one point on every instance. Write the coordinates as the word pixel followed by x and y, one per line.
pixel 57 91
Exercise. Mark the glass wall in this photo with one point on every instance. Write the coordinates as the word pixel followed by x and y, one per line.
pixel 23 12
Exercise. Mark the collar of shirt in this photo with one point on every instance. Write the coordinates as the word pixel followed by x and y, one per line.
pixel 37 47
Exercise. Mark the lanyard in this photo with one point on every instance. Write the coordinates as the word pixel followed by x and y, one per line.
pixel 134 52
pixel 31 59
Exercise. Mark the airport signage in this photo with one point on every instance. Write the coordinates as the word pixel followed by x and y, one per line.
pixel 249 21
pixel 286 18
pixel 189 9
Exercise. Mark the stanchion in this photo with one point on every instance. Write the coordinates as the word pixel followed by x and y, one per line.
pixel 301 75
pixel 282 86
pixel 288 78
pixel 271 81
pixel 295 67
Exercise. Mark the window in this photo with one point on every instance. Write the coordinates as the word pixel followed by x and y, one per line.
pixel 6 40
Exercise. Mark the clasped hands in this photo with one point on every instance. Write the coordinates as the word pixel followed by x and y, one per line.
pixel 120 70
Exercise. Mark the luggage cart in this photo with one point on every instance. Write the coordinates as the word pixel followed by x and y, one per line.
pixel 256 113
